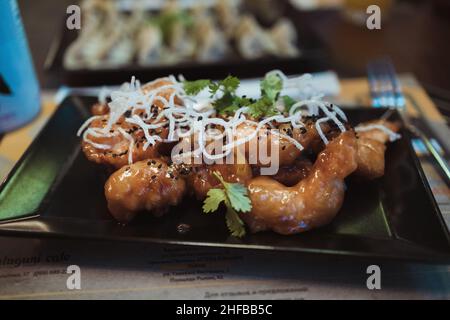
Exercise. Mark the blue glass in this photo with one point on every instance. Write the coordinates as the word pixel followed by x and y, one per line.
pixel 19 89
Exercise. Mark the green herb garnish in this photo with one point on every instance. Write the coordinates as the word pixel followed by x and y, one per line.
pixel 264 107
pixel 271 87
pixel 288 103
pixel 193 88
pixel 228 102
pixel 235 197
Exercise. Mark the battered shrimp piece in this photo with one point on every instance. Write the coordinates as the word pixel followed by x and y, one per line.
pixel 116 154
pixel 99 109
pixel 145 185
pixel 312 202
pixel 287 151
pixel 201 178
pixel 371 150
pixel 290 175
pixel 165 93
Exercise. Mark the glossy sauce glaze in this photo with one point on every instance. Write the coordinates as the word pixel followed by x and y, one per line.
pixel 149 185
pixel 312 202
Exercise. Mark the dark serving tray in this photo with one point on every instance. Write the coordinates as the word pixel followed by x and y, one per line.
pixel 54 191
pixel 313 58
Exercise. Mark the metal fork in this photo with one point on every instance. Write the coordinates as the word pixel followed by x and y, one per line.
pixel 386 92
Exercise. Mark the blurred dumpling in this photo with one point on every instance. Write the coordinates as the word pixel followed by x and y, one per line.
pixel 106 38
pixel 251 40
pixel 119 50
pixel 175 27
pixel 227 13
pixel 88 45
pixel 284 36
pixel 211 43
pixel 149 44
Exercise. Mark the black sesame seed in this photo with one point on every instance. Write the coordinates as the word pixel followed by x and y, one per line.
pixel 185 171
pixel 127 114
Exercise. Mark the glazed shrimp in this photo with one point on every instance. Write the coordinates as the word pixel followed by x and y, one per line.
pixel 164 93
pixel 288 152
pixel 99 109
pixel 201 179
pixel 124 137
pixel 371 149
pixel 312 202
pixel 116 146
pixel 145 185
pixel 291 175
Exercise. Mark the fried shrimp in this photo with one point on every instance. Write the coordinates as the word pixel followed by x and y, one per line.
pixel 99 109
pixel 114 148
pixel 145 185
pixel 275 162
pixel 125 141
pixel 201 178
pixel 290 175
pixel 288 152
pixel 372 147
pixel 312 202
pixel 162 88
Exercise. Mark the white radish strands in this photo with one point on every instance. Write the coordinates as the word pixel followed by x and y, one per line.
pixel 392 135
pixel 187 120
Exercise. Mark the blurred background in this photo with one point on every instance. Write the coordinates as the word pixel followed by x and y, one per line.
pixel 414 33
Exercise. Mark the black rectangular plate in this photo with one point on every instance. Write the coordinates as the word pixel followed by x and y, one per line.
pixel 54 191
pixel 313 58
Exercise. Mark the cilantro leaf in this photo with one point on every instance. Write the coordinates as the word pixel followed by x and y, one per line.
pixel 234 223
pixel 193 88
pixel 235 197
pixel 237 194
pixel 271 86
pixel 214 87
pixel 288 103
pixel 262 108
pixel 213 199
pixel 227 85
pixel 228 103
pixel 224 104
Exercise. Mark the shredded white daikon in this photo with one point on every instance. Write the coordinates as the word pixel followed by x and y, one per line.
pixel 392 135
pixel 194 118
